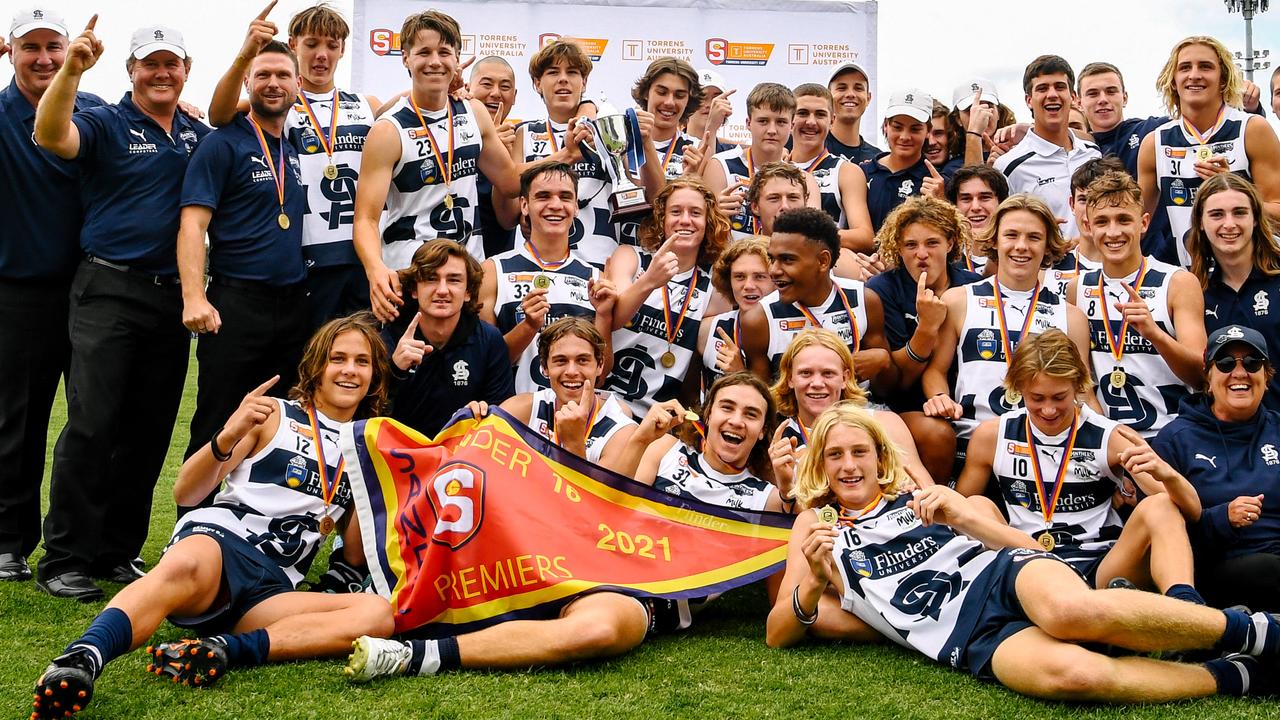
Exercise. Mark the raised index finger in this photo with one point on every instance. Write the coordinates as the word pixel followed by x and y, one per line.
pixel 729 94
pixel 93 21
pixel 267 10
pixel 932 170
pixel 264 387
pixel 412 330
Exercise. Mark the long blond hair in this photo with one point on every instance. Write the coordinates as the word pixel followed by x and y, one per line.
pixel 1229 76
pixel 785 395
pixel 813 487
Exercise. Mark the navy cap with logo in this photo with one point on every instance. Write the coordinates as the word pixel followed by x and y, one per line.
pixel 1223 337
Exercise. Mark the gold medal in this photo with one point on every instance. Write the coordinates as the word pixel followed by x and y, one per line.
pixel 1046 541
pixel 828 515
pixel 326 525
pixel 1012 397
pixel 283 221
pixel 541 282
pixel 668 359
pixel 690 416
pixel 1203 153
pixel 1118 378
pixel 448 201
pixel 331 172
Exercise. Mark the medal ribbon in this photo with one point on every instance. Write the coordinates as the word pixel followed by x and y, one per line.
pixel 277 169
pixel 591 421
pixel 816 163
pixel 1203 138
pixel 803 432
pixel 1004 327
pixel 671 150
pixel 555 265
pixel 446 171
pixel 325 142
pixel 551 137
pixel 327 490
pixel 1047 503
pixel 1117 342
pixel 751 172
pixel 671 332
pixel 849 517
pixel 853 321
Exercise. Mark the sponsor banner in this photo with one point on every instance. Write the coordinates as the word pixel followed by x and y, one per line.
pixel 489 522
pixel 785 41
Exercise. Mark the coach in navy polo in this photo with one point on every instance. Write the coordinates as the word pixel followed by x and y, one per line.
pixel 38 254
pixel 245 190
pixel 128 347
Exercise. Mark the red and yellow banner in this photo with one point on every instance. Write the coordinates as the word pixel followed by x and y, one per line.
pixel 490 522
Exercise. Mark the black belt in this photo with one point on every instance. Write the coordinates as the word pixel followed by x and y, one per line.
pixel 260 287
pixel 153 278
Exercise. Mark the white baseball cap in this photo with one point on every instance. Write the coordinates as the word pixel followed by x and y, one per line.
pixel 711 78
pixel 912 102
pixel 848 67
pixel 37 18
pixel 155 38
pixel 962 97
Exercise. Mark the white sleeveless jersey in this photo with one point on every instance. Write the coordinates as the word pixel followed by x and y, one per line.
pixel 923 587
pixel 733 161
pixel 326 228
pixel 1176 172
pixel 1084 522
pixel 610 418
pixel 727 321
pixel 786 320
pixel 593 237
pixel 416 210
pixel 1058 277
pixel 980 364
pixel 638 373
pixel 827 175
pixel 274 500
pixel 516 272
pixel 791 428
pixel 1152 392
pixel 683 472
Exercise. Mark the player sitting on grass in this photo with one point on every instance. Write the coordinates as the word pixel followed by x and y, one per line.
pixel 232 568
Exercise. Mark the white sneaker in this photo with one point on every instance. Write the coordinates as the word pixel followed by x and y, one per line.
pixel 374 658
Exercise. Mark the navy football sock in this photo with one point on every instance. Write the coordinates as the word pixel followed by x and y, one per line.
pixel 246 649
pixel 108 637
pixel 1182 591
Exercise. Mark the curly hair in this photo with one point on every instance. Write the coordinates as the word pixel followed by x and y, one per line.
pixel 758 460
pixel 674 66
pixel 1266 255
pixel 316 356
pixel 815 225
pixel 722 270
pixel 937 214
pixel 813 487
pixel 1052 354
pixel 428 259
pixel 1055 246
pixel 715 235
pixel 1229 76
pixel 785 395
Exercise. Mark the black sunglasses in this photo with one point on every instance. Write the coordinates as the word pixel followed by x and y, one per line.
pixel 1252 364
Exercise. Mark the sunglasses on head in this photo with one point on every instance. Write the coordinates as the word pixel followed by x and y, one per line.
pixel 1252 364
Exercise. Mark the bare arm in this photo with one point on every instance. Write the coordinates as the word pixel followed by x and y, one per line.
pixel 1147 180
pixel 1264 163
pixel 197 314
pixel 377 162
pixel 1078 331
pixel 247 432
pixel 754 330
pixel 979 459
pixel 858 237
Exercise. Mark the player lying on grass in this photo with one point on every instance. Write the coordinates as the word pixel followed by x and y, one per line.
pixel 232 568
pixel 914 566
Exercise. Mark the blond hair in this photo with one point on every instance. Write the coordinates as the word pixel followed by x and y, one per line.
pixel 1052 354
pixel 813 487
pixel 782 391
pixel 1055 246
pixel 1228 74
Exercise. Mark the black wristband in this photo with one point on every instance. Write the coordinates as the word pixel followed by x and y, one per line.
pixel 213 448
pixel 912 354
pixel 975 134
pixel 804 618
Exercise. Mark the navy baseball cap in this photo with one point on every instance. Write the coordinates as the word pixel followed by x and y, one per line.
pixel 1222 337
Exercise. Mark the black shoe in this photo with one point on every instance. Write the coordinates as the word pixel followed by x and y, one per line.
pixel 14 567
pixel 66 686
pixel 124 573
pixel 72 585
pixel 199 663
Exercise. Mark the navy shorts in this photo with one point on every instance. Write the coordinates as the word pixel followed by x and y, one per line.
pixel 1002 615
pixel 248 578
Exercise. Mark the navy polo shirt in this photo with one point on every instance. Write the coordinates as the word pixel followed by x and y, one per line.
pixel 228 174
pixel 886 189
pixel 897 293
pixel 861 152
pixel 1256 305
pixel 472 365
pixel 131 181
pixel 39 196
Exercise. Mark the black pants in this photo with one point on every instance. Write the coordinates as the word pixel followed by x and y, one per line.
pixel 336 291
pixel 1252 580
pixel 34 353
pixel 129 355
pixel 264 330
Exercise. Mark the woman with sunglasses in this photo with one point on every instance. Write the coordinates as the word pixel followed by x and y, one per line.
pixel 1228 445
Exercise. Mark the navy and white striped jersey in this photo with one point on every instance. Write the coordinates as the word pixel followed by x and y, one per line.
pixel 683 472
pixel 610 418
pixel 593 237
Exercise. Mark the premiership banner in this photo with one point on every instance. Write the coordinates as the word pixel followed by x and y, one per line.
pixel 490 522
pixel 784 41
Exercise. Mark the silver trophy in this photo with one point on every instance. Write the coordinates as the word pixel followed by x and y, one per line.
pixel 617 135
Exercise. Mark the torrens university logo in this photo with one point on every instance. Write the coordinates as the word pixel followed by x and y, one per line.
pixel 723 52
pixel 593 47
pixel 384 42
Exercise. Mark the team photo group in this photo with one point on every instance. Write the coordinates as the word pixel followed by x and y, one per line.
pixel 1009 384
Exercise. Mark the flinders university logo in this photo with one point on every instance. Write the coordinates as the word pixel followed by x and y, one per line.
pixel 723 52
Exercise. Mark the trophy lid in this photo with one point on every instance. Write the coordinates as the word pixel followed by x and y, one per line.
pixel 604 108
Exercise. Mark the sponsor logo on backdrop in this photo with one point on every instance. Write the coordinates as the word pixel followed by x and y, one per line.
pixel 593 47
pixel 723 52
pixel 821 54
pixel 384 42
pixel 649 50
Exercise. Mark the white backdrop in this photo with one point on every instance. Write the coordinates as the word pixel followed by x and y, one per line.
pixel 785 41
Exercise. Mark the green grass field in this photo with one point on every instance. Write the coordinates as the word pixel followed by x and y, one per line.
pixel 720 669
